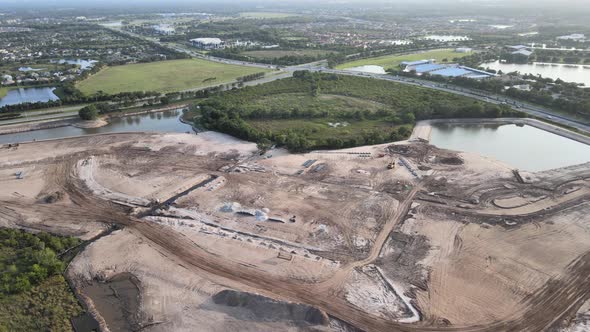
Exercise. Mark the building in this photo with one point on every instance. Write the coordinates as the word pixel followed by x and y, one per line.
pixel 574 37
pixel 517 47
pixel 463 50
pixel 523 52
pixel 163 29
pixel 446 70
pixel 7 80
pixel 519 53
pixel 411 65
pixel 521 87
pixel 208 43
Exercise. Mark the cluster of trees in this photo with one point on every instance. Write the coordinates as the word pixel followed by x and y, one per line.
pixel 168 53
pixel 250 77
pixel 88 112
pixel 27 260
pixel 559 95
pixel 558 56
pixel 232 112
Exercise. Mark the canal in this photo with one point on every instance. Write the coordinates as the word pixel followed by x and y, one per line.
pixel 167 121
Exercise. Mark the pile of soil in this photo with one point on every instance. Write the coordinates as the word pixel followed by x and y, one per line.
pixel 55 197
pixel 266 309
pixel 451 160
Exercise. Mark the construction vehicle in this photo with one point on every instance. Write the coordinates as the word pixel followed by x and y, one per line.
pixel 391 165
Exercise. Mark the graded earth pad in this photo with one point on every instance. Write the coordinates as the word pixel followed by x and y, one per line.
pixel 392 237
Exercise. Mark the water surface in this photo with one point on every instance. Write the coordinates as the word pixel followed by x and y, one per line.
pixel 168 121
pixel 26 69
pixel 28 95
pixel 527 148
pixel 84 64
pixel 567 73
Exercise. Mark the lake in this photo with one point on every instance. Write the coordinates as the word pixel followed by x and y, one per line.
pixel 167 121
pixel 369 69
pixel 28 95
pixel 527 148
pixel 567 73
pixel 26 69
pixel 84 64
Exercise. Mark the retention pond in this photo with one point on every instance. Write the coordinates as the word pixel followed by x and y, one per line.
pixel 167 121
pixel 28 95
pixel 521 146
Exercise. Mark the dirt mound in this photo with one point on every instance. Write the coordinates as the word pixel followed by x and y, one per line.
pixel 55 197
pixel 450 160
pixel 265 309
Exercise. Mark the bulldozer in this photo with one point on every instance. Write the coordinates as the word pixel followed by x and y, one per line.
pixel 391 165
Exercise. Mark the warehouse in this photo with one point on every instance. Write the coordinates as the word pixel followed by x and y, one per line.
pixel 208 43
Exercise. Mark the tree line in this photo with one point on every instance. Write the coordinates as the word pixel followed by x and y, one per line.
pixel 555 94
pixel 232 112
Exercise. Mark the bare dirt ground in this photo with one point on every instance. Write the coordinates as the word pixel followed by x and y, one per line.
pixel 443 241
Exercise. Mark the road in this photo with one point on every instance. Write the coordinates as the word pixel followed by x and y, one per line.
pixel 56 113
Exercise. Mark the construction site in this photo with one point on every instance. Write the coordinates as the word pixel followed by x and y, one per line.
pixel 204 233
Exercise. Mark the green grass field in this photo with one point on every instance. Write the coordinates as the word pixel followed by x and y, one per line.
pixel 393 61
pixel 265 54
pixel 163 76
pixel 3 92
pixel 262 15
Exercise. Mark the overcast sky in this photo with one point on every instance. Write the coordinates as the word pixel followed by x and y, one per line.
pixel 136 4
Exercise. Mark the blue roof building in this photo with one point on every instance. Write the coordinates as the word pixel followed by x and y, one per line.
pixel 415 63
pixel 427 68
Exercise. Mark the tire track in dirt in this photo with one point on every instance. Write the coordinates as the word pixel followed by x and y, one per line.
pixel 544 307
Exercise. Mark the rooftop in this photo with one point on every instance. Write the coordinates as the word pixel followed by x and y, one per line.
pixel 451 72
pixel 415 63
pixel 428 67
pixel 207 40
pixel 518 47
pixel 523 52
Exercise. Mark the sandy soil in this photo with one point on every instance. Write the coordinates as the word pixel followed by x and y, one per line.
pixel 173 298
pixel 419 247
pixel 91 123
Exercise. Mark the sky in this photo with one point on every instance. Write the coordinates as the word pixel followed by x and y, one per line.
pixel 236 4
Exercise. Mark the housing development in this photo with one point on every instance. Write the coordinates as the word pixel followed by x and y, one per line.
pixel 295 166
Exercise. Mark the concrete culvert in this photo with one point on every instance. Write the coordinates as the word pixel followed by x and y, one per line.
pixel 252 306
pixel 230 207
